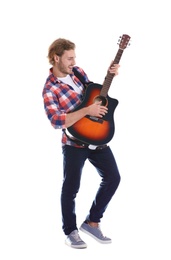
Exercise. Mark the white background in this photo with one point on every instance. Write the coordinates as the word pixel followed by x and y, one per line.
pixel 138 218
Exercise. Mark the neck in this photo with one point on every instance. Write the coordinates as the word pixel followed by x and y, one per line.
pixel 58 73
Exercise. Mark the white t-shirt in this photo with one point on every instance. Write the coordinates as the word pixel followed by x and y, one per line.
pixel 68 80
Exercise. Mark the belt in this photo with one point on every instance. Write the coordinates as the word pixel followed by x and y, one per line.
pixel 93 147
pixel 85 145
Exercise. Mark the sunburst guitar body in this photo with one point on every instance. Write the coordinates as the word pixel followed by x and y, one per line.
pixel 94 130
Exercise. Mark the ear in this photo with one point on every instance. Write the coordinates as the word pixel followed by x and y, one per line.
pixel 56 58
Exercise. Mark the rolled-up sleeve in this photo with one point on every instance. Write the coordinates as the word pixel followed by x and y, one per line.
pixel 56 116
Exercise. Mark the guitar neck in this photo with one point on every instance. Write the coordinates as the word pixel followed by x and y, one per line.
pixel 109 77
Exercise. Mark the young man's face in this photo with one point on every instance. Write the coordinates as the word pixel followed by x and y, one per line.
pixel 66 62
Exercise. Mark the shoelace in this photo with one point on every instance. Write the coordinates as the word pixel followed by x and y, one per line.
pixel 101 234
pixel 76 236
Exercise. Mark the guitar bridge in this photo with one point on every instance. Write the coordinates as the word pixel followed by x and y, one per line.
pixel 95 119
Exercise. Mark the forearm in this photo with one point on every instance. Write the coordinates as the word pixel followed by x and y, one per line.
pixel 73 117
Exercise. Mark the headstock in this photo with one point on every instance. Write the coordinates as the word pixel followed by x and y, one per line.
pixel 124 41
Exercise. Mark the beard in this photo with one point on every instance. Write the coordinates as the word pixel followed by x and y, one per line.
pixel 64 69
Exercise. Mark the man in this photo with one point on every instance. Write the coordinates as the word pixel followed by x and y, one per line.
pixel 62 93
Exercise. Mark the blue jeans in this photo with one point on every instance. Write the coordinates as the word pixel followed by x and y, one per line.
pixel 73 162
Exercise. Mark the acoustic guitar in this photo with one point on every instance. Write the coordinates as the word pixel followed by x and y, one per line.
pixel 95 130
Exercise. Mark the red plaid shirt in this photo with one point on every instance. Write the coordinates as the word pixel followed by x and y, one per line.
pixel 60 99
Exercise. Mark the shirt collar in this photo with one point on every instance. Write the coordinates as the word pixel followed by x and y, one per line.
pixel 55 78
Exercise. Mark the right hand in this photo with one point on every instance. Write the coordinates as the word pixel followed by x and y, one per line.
pixel 97 110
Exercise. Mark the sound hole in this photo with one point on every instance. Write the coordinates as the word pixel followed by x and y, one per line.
pixel 102 99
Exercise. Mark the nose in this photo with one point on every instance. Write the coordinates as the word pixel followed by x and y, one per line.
pixel 73 62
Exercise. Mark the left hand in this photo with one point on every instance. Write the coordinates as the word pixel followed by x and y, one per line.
pixel 114 69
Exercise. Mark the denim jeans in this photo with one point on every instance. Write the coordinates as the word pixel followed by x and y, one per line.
pixel 73 162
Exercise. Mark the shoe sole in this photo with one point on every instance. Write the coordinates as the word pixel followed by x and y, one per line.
pixel 97 239
pixel 76 246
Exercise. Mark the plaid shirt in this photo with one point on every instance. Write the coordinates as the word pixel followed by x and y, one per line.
pixel 60 99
